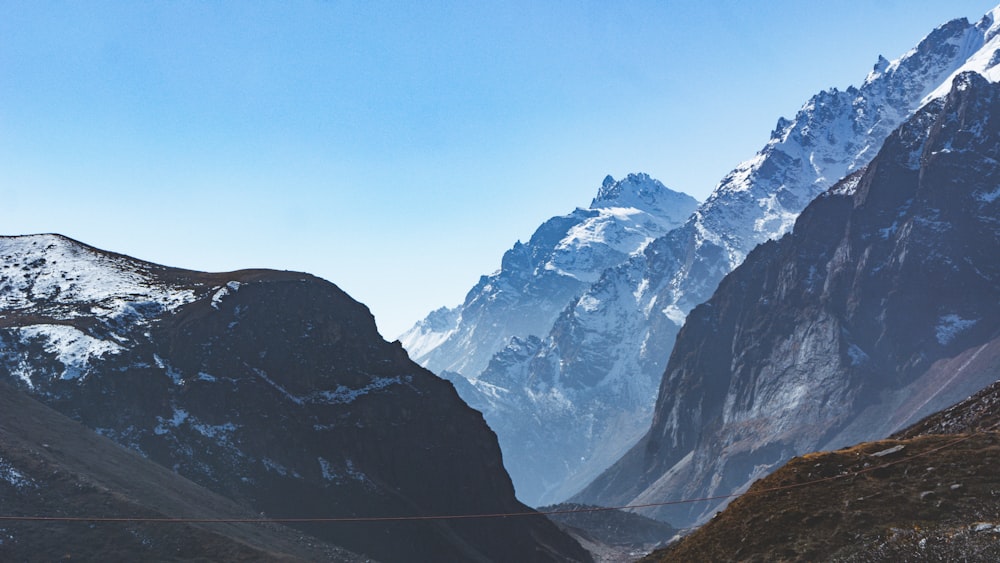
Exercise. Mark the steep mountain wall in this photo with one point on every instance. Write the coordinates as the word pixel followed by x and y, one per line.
pixel 839 331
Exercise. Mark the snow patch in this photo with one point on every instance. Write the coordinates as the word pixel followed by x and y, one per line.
pixel 164 426
pixel 214 430
pixel 232 286
pixel 327 470
pixel 675 314
pixel 589 303
pixel 949 326
pixel 72 348
pixel 261 374
pixel 11 475
pixel 174 374
pixel 344 395
pixel 847 187
pixel 278 468
pixel 989 197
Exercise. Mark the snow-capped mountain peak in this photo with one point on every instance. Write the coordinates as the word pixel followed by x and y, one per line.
pixel 539 278
pixel 635 190
pixel 983 54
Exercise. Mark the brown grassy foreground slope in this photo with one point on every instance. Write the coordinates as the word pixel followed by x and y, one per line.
pixel 924 497
pixel 52 466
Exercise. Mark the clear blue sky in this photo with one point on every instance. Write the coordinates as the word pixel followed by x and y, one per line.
pixel 395 148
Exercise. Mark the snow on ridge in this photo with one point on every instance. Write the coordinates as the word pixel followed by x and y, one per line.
pixel 637 190
pixel 836 132
pixel 983 62
pixel 617 319
pixel 848 186
pixel 539 278
pixel 587 246
pixel 340 395
pixel 53 271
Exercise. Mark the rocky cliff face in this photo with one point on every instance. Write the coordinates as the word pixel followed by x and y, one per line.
pixel 878 309
pixel 271 388
pixel 538 279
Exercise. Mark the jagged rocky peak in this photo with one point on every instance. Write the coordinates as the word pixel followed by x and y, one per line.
pixel 881 64
pixel 537 279
pixel 640 191
pixel 991 23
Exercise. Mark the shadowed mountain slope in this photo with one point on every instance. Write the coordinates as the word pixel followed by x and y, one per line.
pixel 271 388
pixel 53 466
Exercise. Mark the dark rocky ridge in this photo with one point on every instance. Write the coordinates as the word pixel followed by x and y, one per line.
pixel 838 332
pixel 271 388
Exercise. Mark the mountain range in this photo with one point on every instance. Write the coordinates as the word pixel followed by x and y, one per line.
pixel 881 307
pixel 582 386
pixel 789 339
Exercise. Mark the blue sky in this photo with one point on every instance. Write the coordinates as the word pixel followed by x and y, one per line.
pixel 395 148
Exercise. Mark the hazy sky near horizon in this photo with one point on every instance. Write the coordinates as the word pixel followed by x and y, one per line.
pixel 396 149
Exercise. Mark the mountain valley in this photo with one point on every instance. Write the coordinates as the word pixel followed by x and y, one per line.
pixel 804 366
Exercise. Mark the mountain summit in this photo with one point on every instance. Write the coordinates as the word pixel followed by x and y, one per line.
pixel 538 279
pixel 641 192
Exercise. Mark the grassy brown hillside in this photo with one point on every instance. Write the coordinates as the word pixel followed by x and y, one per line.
pixel 52 466
pixel 935 499
pixel 930 494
